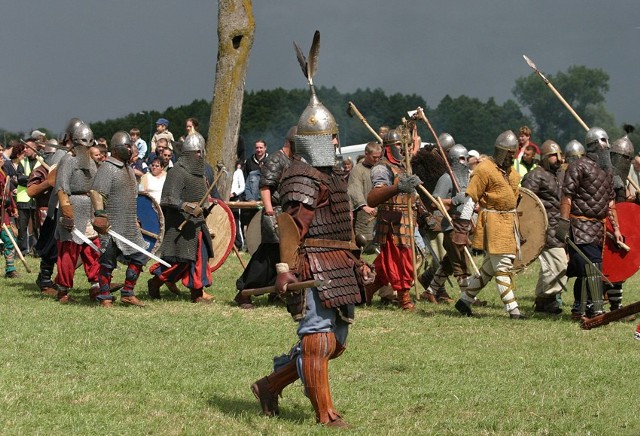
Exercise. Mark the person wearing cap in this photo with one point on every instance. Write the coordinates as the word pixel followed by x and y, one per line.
pixel 474 159
pixel 162 131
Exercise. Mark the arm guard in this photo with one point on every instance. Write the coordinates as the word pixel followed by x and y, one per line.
pixel 289 240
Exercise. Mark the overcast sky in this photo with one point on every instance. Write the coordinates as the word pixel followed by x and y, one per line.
pixel 104 59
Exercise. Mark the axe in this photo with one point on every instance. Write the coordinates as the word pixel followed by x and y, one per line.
pixel 353 110
pixel 205 197
pixel 290 287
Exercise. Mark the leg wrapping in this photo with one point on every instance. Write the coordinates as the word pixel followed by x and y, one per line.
pixel 505 285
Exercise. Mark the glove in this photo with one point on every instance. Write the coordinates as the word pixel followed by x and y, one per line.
pixel 192 209
pixel 282 279
pixel 67 211
pixel 407 184
pixel 101 224
pixel 67 222
pixel 458 199
pixel 563 228
pixel 460 235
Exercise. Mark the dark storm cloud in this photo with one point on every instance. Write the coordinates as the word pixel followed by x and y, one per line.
pixel 99 60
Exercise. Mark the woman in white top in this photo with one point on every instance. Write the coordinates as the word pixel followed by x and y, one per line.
pixel 152 182
pixel 237 185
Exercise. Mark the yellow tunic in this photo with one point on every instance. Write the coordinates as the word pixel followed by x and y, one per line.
pixel 495 230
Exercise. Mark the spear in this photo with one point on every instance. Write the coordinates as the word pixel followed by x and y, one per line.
pixel 567 105
pixel 555 91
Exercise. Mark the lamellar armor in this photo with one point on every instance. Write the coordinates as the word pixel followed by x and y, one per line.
pixel 393 213
pixel 325 252
pixel 270 173
pixel 117 184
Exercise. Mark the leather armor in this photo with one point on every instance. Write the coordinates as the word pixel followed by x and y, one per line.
pixel 546 186
pixel 591 189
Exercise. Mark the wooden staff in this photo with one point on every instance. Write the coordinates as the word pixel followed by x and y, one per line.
pixel 412 227
pixel 353 110
pixel 205 197
pixel 244 204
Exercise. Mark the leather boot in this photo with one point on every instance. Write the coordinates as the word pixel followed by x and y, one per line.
pixel 153 285
pixel 370 289
pixel 173 288
pixel 443 297
pixel 267 389
pixel 197 296
pixel 316 350
pixel 547 305
pixel 429 297
pixel 207 297
pixel 131 300
pixel 406 303
pixel 63 297
pixel 243 302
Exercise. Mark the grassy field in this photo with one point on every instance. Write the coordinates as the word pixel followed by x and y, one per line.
pixel 178 368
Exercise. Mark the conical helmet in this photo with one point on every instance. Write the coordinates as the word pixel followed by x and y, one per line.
pixel 446 140
pixel 549 148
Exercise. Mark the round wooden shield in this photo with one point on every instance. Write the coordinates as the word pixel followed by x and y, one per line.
pixel 151 221
pixel 222 228
pixel 617 264
pixel 253 235
pixel 533 224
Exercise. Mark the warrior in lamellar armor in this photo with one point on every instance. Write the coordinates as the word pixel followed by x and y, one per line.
pixel 316 242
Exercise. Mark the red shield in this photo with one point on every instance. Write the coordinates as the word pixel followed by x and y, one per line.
pixel 617 264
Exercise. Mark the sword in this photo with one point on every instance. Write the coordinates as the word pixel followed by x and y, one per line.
pixel 121 238
pixel 85 239
pixel 586 259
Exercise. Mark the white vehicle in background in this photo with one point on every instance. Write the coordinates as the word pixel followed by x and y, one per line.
pixel 353 151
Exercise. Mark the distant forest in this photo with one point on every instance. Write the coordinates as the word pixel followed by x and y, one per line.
pixel 268 114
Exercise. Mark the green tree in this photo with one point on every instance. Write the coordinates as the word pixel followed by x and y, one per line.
pixel 473 123
pixel 583 88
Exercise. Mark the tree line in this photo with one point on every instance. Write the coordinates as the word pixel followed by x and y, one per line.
pixel 268 114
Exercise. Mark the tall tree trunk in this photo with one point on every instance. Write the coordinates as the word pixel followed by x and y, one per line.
pixel 236 28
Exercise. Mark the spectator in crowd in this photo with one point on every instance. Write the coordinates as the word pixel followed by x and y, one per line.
pixel 237 194
pixel 165 158
pixel 153 180
pixel 525 160
pixel 162 131
pixel 141 144
pixel 347 166
pixel 95 154
pixel 364 217
pixel 26 205
pixel 139 166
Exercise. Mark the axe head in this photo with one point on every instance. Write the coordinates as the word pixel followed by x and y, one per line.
pixel 350 109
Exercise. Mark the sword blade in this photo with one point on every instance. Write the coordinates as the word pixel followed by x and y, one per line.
pixel 136 247
pixel 85 239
